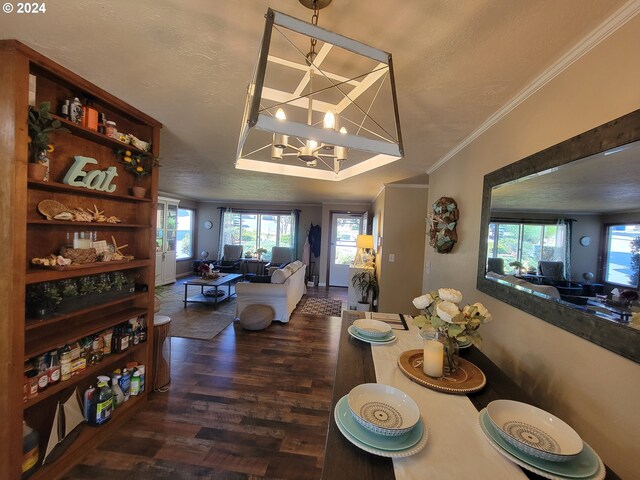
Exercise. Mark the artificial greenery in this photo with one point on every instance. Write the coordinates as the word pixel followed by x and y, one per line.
pixel 366 284
pixel 138 164
pixel 41 123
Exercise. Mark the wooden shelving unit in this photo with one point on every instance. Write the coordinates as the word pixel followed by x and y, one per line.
pixel 28 234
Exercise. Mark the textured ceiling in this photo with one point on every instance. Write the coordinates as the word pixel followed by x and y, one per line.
pixel 187 64
pixel 603 183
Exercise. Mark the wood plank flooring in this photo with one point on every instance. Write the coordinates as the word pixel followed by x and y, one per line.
pixel 245 405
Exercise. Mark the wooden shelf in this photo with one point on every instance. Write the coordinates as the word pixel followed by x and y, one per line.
pixel 88 438
pixel 38 346
pixel 23 338
pixel 86 225
pixel 43 275
pixel 95 136
pixel 33 324
pixel 90 371
pixel 62 187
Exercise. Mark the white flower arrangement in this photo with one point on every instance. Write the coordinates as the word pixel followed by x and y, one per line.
pixel 441 312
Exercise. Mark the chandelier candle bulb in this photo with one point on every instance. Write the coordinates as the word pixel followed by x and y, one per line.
pixel 433 358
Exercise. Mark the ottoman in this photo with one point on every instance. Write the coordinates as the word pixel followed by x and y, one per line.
pixel 256 317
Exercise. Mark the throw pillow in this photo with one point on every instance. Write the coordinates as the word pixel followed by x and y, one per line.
pixel 259 279
pixel 280 276
pixel 256 317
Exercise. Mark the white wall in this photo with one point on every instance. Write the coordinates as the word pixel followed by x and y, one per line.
pixel 596 391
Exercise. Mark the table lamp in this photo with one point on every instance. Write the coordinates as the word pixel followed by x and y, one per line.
pixel 364 243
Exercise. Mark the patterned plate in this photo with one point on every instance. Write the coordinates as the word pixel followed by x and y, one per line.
pixel 354 333
pixel 402 442
pixel 587 465
pixel 378 451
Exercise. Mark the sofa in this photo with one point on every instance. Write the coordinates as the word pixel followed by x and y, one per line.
pixel 286 287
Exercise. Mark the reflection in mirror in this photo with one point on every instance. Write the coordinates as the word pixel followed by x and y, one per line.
pixel 537 216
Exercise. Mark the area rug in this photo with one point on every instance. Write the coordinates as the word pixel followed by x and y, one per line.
pixel 322 306
pixel 199 321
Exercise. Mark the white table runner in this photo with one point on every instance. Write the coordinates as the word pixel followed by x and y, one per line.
pixel 457 447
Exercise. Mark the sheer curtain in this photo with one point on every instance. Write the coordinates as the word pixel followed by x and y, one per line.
pixel 226 229
pixel 562 251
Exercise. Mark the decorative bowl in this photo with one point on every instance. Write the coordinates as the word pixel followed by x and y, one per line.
pixel 383 409
pixel 534 431
pixel 372 328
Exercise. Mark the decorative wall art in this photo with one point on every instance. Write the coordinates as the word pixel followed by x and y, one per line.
pixel 442 221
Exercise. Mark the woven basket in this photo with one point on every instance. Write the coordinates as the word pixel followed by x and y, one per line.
pixel 79 255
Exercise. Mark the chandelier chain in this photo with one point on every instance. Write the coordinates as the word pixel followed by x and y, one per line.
pixel 311 56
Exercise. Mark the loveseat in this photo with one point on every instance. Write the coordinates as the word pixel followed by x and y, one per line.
pixel 282 294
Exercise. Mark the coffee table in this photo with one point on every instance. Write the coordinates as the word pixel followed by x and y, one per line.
pixel 213 284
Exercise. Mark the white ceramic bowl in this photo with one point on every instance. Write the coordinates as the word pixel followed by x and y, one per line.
pixel 383 409
pixel 372 328
pixel 534 431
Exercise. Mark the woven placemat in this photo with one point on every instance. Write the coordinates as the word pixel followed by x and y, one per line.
pixel 468 378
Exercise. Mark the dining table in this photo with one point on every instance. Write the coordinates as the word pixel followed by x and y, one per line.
pixel 355 366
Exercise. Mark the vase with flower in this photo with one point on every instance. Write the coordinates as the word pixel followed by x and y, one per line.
pixel 456 326
pixel 140 165
pixel 40 125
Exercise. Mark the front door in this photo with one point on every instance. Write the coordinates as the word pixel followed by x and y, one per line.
pixel 345 229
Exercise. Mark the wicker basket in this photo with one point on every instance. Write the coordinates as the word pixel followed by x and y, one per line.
pixel 79 255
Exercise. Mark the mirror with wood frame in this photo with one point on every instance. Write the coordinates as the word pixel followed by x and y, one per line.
pixel 560 235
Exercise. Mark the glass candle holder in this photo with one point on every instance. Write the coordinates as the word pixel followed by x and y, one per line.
pixel 433 353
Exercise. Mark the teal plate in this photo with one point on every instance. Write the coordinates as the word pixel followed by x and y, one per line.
pixel 584 465
pixel 401 442
pixel 354 333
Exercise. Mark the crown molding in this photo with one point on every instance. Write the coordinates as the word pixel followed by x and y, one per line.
pixel 606 28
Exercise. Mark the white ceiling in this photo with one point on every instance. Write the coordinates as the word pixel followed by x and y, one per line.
pixel 187 63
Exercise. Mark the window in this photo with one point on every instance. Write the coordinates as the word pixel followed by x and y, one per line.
pixel 184 234
pixel 527 243
pixel 623 255
pixel 258 230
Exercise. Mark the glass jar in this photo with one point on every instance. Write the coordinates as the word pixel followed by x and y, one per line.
pixel 440 353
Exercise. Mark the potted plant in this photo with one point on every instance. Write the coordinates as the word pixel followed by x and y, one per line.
pixel 140 165
pixel 40 124
pixel 366 284
pixel 260 252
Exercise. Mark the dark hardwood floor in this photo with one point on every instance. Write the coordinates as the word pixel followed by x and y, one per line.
pixel 245 405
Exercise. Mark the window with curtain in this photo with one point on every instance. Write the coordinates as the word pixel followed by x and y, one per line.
pixel 254 230
pixel 184 234
pixel 622 262
pixel 528 243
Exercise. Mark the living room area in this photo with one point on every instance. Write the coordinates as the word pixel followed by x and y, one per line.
pixel 507 145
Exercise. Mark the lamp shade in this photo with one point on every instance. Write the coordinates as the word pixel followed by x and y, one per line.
pixel 364 241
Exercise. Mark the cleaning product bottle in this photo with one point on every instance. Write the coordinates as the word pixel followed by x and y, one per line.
pixel 118 396
pixel 89 400
pixel 135 384
pixel 100 409
pixel 30 451
pixel 125 383
pixel 141 370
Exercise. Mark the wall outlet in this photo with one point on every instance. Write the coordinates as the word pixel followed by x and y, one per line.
pixel 392 257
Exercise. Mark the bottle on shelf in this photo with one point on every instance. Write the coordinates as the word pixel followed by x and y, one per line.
pixel 75 111
pixel 43 376
pixel 118 396
pixel 53 371
pixel 125 383
pixel 101 403
pixel 64 110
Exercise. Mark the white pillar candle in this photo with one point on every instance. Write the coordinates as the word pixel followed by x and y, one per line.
pixel 433 358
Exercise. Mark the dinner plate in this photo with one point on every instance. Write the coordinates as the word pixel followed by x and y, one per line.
pixel 382 442
pixel 587 465
pixel 354 333
pixel 383 409
pixel 372 328
pixel 534 431
pixel 379 451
